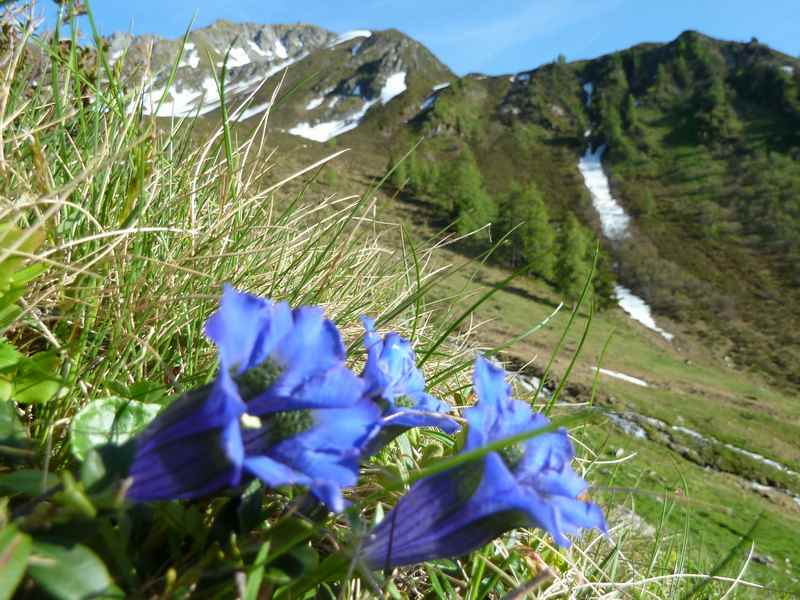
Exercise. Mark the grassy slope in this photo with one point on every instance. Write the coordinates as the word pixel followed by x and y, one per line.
pixel 714 247
pixel 690 387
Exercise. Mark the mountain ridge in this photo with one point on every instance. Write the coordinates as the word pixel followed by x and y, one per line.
pixel 681 122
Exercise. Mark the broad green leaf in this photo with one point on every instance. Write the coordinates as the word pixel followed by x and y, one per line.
pixel 15 547
pixel 286 534
pixel 37 378
pixel 6 389
pixel 10 266
pixel 70 572
pixel 9 355
pixel 28 274
pixel 14 550
pixel 27 482
pixel 8 315
pixel 11 429
pixel 109 420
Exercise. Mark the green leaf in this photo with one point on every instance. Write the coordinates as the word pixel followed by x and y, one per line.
pixel 14 550
pixel 6 389
pixel 27 482
pixel 37 378
pixel 8 315
pixel 70 572
pixel 92 469
pixel 109 420
pixel 11 429
pixel 286 534
pixel 9 355
pixel 255 574
pixel 28 274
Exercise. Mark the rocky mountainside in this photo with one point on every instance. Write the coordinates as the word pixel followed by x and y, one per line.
pixel 696 142
pixel 341 76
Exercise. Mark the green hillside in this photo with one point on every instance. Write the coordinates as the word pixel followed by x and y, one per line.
pixel 703 149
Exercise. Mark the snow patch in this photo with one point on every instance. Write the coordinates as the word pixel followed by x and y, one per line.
pixel 428 102
pixel 614 222
pixel 531 383
pixel 190 56
pixel 613 219
pixel 257 49
pixel 176 103
pixel 236 58
pixel 280 50
pixel 315 102
pixel 624 377
pixel 762 459
pixel 431 99
pixel 395 85
pixel 638 310
pixel 691 433
pixel 522 77
pixel 354 50
pixel 322 132
pixel 788 69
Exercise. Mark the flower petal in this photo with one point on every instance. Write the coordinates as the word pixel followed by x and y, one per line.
pixel 188 467
pixel 338 387
pixel 327 454
pixel 446 515
pixel 274 473
pixel 314 344
pixel 247 328
pixel 196 411
pixel 404 419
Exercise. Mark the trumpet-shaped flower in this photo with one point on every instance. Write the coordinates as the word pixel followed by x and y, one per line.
pixel 529 484
pixel 284 408
pixel 193 448
pixel 393 380
pixel 311 419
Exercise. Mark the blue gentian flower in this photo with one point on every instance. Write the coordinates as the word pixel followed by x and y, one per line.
pixel 526 485
pixel 307 419
pixel 192 449
pixel 393 380
pixel 284 407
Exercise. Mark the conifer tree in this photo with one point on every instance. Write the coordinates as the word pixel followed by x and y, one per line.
pixel 464 195
pixel 572 268
pixel 603 281
pixel 414 171
pixel 525 220
pixel 397 173
pixel 430 177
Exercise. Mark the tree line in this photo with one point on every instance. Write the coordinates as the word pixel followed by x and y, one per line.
pixel 559 251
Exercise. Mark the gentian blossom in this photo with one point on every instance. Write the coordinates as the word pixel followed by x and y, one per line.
pixel 393 380
pixel 530 484
pixel 295 413
pixel 192 449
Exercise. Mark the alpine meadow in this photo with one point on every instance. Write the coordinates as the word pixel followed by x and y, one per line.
pixel 293 314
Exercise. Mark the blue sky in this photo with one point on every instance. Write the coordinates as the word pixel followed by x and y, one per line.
pixel 491 37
